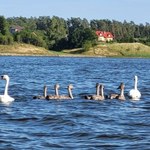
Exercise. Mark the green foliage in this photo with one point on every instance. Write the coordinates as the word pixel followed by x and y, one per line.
pixel 57 34
pixel 30 37
pixel 79 32
pixel 3 26
pixel 5 37
pixel 87 45
pixel 123 32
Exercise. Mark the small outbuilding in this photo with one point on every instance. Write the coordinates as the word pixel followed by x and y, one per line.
pixel 15 28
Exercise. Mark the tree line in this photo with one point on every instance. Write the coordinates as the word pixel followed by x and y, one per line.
pixel 56 33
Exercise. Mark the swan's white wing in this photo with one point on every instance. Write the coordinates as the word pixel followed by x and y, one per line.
pixel 6 99
pixel 134 94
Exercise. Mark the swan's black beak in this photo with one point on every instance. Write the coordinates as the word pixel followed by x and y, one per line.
pixel 119 87
pixel 2 77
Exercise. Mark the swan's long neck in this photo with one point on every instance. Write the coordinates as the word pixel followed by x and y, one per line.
pixel 97 90
pixel 70 93
pixel 122 92
pixel 56 91
pixel 6 87
pixel 45 91
pixel 101 92
pixel 135 84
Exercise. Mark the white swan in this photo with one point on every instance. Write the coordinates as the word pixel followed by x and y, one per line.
pixel 6 98
pixel 135 93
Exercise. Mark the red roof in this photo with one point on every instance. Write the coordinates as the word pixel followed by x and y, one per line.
pixel 104 34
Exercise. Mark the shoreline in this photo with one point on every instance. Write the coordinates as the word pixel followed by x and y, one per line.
pixel 67 56
pixel 42 55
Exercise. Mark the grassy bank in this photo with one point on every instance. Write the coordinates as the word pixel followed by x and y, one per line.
pixel 24 49
pixel 115 50
pixel 101 50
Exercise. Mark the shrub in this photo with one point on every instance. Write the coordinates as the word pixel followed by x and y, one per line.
pixel 87 45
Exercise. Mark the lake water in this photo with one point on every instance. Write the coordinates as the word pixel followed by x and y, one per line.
pixel 78 123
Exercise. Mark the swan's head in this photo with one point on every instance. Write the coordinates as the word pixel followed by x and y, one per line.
pixel 45 87
pixel 102 86
pixel 57 86
pixel 97 84
pixel 5 77
pixel 70 86
pixel 122 86
pixel 135 78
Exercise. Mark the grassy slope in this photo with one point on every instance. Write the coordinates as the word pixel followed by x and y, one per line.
pixel 23 49
pixel 116 50
pixel 103 49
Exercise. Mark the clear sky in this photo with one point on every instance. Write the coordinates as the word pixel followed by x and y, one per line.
pixel 120 10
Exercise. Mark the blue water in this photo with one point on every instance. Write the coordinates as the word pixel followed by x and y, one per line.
pixel 78 123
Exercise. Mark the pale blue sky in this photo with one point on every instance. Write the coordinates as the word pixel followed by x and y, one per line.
pixel 120 10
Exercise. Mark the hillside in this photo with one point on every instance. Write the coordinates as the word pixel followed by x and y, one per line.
pixel 24 49
pixel 115 50
pixel 101 50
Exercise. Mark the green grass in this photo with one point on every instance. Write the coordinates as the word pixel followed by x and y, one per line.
pixel 101 50
pixel 23 49
pixel 130 49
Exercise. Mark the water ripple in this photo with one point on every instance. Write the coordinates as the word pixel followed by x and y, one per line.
pixel 76 124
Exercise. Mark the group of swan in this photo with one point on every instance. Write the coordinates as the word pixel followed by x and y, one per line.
pixel 56 96
pixel 100 93
pixel 133 93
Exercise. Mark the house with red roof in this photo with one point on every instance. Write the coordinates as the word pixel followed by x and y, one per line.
pixel 104 36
